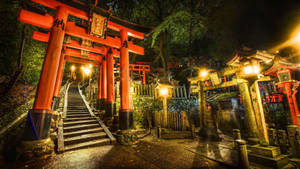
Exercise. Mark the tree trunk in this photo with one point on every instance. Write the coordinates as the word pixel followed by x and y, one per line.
pixel 162 56
pixel 19 69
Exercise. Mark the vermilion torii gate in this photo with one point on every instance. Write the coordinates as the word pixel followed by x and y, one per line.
pixel 51 75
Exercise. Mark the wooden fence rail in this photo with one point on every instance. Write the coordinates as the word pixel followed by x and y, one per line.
pixel 175 121
pixel 150 90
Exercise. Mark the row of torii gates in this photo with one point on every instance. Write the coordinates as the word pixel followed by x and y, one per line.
pixel 62 49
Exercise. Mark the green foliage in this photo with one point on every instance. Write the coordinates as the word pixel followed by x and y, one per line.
pixel 143 106
pixel 178 25
pixel 33 57
pixel 10 45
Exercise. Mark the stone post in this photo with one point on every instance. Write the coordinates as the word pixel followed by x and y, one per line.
pixel 292 134
pixel 272 137
pixel 243 154
pixel 236 136
pixel 282 141
pixel 259 111
pixel 202 104
pixel 250 122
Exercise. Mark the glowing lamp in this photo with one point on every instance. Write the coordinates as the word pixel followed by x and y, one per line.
pixel 251 69
pixel 163 92
pixel 87 71
pixel 73 68
pixel 203 73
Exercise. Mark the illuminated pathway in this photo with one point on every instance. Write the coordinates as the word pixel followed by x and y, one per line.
pixel 80 128
pixel 148 153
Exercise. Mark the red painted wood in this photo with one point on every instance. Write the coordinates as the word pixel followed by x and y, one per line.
pixel 84 15
pixel 44 37
pixel 124 73
pixel 59 75
pixel 32 18
pixel 137 67
pixel 110 78
pixel 103 79
pixel 47 81
pixel 77 53
pixel 81 60
pixel 99 82
pixel 73 30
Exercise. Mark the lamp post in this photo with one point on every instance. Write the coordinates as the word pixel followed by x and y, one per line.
pixel 254 113
pixel 164 94
pixel 86 72
pixel 72 68
pixel 82 70
pixel 202 75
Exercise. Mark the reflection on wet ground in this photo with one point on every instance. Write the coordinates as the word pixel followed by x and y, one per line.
pixel 148 153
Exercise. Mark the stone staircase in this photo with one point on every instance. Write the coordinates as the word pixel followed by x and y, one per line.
pixel 80 128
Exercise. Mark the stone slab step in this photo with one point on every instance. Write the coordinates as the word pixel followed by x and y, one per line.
pixel 81 122
pixel 76 110
pixel 84 138
pixel 81 111
pixel 78 115
pixel 78 118
pixel 93 143
pixel 81 132
pixel 80 127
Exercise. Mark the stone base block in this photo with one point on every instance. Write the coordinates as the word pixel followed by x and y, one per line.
pixel 110 109
pixel 100 104
pixel 296 161
pixel 125 119
pixel 252 141
pixel 127 137
pixel 269 151
pixel 267 156
pixel 35 149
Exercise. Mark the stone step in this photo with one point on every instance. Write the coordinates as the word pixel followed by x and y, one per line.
pixel 84 138
pixel 92 143
pixel 80 132
pixel 74 109
pixel 78 118
pixel 80 127
pixel 78 115
pixel 81 122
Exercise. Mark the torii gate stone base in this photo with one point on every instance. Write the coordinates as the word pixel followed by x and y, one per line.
pixel 37 141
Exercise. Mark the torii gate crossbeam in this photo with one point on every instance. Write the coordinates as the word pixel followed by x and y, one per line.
pixel 40 115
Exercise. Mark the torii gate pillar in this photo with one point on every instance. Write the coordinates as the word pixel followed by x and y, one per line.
pixel 99 87
pixel 125 136
pixel 59 78
pixel 110 104
pixel 39 117
pixel 103 84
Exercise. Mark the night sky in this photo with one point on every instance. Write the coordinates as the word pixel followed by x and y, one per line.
pixel 263 24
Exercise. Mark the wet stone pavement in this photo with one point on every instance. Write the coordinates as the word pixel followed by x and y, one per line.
pixel 148 153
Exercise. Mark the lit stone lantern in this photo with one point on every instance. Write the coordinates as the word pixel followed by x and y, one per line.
pixel 164 93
